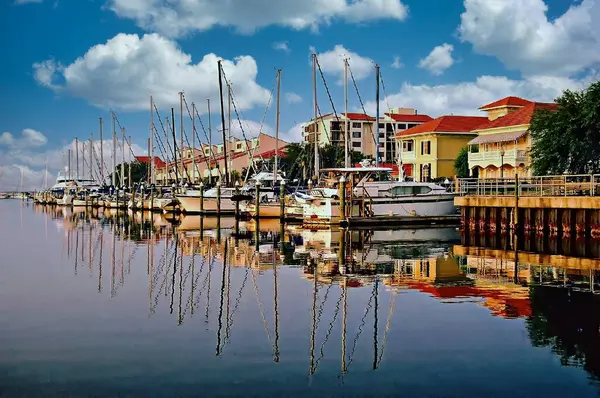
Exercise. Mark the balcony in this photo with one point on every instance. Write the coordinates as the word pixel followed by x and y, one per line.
pixel 494 157
pixel 408 156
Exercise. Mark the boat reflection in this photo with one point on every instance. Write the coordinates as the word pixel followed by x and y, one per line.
pixel 352 279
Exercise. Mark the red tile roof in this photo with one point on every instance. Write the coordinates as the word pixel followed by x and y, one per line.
pixel 158 162
pixel 447 124
pixel 516 118
pixel 359 116
pixel 506 101
pixel 409 118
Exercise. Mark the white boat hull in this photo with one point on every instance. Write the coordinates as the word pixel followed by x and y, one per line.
pixel 191 204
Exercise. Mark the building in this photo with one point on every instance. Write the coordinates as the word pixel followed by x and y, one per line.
pixel 210 160
pixel 502 144
pixel 428 151
pixel 331 130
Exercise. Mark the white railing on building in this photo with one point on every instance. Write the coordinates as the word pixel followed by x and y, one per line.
pixel 513 154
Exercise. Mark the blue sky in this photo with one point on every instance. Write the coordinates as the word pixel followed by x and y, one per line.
pixel 70 62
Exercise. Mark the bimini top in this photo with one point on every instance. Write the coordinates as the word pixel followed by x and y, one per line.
pixel 356 169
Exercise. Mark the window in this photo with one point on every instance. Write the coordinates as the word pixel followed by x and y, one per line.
pixel 381 135
pixel 356 145
pixel 356 134
pixel 425 147
pixel 402 126
pixel 356 125
pixel 408 146
pixel 411 125
pixel 381 144
pixel 410 190
pixel 238 146
pixel 381 125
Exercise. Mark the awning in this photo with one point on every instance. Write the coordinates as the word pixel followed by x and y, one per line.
pixel 499 137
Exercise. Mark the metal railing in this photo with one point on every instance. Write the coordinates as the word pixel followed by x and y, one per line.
pixel 511 154
pixel 561 185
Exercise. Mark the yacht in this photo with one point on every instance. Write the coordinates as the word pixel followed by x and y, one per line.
pixel 377 194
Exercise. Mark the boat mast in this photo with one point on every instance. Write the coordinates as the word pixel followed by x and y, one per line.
pixel 167 171
pixel 91 156
pixel 102 179
pixel 129 182
pixel 46 175
pixel 209 140
pixel 181 135
pixel 223 121
pixel 76 158
pixel 193 143
pixel 228 154
pixel 377 117
pixel 275 165
pixel 150 142
pixel 174 144
pixel 82 159
pixel 114 150
pixel 316 140
pixel 69 165
pixel 346 135
pixel 122 179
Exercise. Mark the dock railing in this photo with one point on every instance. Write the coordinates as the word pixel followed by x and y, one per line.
pixel 559 185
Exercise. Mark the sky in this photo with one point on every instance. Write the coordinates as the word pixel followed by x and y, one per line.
pixel 70 62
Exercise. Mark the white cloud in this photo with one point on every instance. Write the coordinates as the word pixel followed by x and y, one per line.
pixel 293 98
pixel 249 129
pixel 282 45
pixel 397 64
pixel 439 59
pixel 332 62
pixel 33 161
pixel 519 33
pixel 294 134
pixel 29 138
pixel 123 72
pixel 179 17
pixel 465 98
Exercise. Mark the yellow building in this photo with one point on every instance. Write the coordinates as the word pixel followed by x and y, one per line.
pixel 502 144
pixel 428 151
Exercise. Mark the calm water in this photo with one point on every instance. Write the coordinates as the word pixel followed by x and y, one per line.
pixel 104 306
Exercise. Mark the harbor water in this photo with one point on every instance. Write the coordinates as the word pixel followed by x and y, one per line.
pixel 107 303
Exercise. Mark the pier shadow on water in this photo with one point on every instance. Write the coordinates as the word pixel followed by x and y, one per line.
pixel 118 303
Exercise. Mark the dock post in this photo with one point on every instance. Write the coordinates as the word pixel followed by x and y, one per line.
pixel 516 215
pixel 257 200
pixel 218 198
pixel 201 197
pixel 237 202
pixel 282 203
pixel 342 195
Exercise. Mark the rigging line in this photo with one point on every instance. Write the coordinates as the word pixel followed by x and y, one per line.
pixel 337 118
pixel 329 330
pixel 212 152
pixel 388 325
pixel 195 133
pixel 363 106
pixel 170 127
pixel 237 303
pixel 163 129
pixel 384 92
pixel 237 115
pixel 261 307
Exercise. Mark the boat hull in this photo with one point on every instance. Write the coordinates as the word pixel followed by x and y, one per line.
pixel 191 204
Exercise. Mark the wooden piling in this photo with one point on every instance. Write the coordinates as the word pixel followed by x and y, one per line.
pixel 201 197
pixel 237 202
pixel 342 196
pixel 219 199
pixel 257 201
pixel 282 202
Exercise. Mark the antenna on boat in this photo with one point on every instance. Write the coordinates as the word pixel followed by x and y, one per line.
pixel 275 166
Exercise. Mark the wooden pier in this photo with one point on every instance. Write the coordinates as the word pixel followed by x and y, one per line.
pixel 558 206
pixel 375 222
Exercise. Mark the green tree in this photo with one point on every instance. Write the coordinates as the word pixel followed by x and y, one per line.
pixel 139 172
pixel 461 164
pixel 332 155
pixel 567 139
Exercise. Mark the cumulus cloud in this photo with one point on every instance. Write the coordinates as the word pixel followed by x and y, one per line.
pixel 465 98
pixel 438 60
pixel 332 62
pixel 520 34
pixel 180 17
pixel 29 138
pixel 124 71
pixel 293 98
pixel 282 45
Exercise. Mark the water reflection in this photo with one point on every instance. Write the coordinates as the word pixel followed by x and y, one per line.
pixel 332 302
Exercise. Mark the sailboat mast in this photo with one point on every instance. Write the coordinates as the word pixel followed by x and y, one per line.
pixel 181 135
pixel 228 154
pixel 209 139
pixel 223 120
pixel 177 171
pixel 316 138
pixel 346 129
pixel 275 164
pixel 102 179
pixel 91 156
pixel 114 150
pixel 122 179
pixel 76 158
pixel 129 182
pixel 377 117
pixel 82 159
pixel 167 171
pixel 150 142
pixel 193 143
